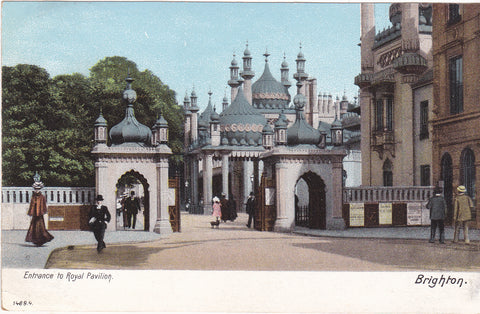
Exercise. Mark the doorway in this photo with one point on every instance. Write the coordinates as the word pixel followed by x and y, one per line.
pixel 310 208
pixel 132 181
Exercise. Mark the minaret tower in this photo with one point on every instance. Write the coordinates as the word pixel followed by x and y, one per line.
pixel 233 82
pixel 300 75
pixel 101 130
pixel 194 110
pixel 188 120
pixel 284 73
pixel 247 74
pixel 225 101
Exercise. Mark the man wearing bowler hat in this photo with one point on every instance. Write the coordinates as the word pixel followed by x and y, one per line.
pixel 98 218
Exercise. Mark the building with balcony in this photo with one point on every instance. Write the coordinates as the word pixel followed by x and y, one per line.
pixel 396 96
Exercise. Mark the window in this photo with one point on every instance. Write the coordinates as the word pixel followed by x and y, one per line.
pixel 453 13
pixel 389 115
pixel 425 175
pixel 456 85
pixel 424 120
pixel 387 173
pixel 379 115
pixel 467 171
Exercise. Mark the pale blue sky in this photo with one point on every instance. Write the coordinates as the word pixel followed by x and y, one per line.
pixel 188 44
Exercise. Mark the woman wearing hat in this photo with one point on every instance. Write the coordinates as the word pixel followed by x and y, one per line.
pixel 463 205
pixel 98 217
pixel 37 232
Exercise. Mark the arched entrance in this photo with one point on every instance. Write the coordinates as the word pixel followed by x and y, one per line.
pixel 310 207
pixel 133 181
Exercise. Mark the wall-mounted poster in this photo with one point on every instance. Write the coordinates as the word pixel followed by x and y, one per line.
pixel 357 215
pixel 385 213
pixel 414 214
pixel 425 214
pixel 171 196
pixel 269 196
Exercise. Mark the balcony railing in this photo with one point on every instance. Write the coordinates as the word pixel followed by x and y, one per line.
pixel 404 194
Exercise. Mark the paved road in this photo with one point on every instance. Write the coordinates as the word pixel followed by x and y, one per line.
pixel 234 247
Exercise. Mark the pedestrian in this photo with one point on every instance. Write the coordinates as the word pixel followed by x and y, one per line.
pixel 250 209
pixel 37 232
pixel 98 218
pixel 438 208
pixel 232 206
pixel 217 209
pixel 132 205
pixel 462 213
pixel 225 208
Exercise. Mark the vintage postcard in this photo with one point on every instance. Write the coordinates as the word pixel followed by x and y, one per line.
pixel 240 157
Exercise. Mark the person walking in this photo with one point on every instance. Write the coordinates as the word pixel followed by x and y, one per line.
pixel 250 209
pixel 98 218
pixel 225 208
pixel 462 213
pixel 132 205
pixel 37 232
pixel 438 208
pixel 217 209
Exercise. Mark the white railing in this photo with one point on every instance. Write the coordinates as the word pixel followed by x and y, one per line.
pixel 54 195
pixel 376 194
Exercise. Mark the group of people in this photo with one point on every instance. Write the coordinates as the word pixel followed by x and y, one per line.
pixel 130 207
pixel 224 209
pixel 462 214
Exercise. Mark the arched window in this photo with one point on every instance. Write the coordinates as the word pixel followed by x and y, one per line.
pixel 467 171
pixel 387 173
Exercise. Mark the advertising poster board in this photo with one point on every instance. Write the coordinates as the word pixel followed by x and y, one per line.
pixel 414 214
pixel 357 215
pixel 385 213
pixel 269 196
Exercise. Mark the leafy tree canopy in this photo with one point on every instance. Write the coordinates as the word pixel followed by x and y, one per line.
pixel 48 122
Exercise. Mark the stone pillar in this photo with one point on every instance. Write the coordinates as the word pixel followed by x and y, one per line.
pixel 247 183
pixel 281 224
pixel 194 127
pixel 101 187
pixel 247 90
pixel 337 221
pixel 162 223
pixel 207 183
pixel 225 174
pixel 194 181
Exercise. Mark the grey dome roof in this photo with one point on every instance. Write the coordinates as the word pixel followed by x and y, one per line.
pixel 267 129
pixel 301 132
pixel 130 131
pixel 269 93
pixel 240 123
pixel 214 116
pixel 100 120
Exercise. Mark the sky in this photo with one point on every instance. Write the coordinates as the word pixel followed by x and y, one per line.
pixel 190 44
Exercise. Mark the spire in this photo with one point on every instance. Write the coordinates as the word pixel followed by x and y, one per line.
pixel 300 75
pixel 247 73
pixel 266 54
pixel 284 73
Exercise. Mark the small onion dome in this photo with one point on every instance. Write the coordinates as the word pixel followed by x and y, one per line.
pixel 214 116
pixel 268 93
pixel 246 53
pixel 284 63
pixel 323 127
pixel 240 123
pixel 161 122
pixel 186 99
pixel 281 122
pixel 100 120
pixel 129 95
pixel 301 132
pixel 267 129
pixel 202 124
pixel 234 61
pixel 336 124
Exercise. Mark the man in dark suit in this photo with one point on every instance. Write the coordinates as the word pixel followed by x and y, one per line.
pixel 250 209
pixel 132 205
pixel 98 217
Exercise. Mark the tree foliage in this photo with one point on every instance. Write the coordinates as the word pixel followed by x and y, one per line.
pixel 48 122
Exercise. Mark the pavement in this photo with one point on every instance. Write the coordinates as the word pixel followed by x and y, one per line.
pixel 16 253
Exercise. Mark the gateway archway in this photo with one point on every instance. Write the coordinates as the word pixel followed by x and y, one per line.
pixel 310 205
pixel 127 183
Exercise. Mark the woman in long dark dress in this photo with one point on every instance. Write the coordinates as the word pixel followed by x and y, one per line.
pixel 37 232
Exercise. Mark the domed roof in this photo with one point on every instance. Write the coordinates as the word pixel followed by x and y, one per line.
pixel 267 129
pixel 240 123
pixel 246 53
pixel 301 132
pixel 269 93
pixel 214 116
pixel 234 62
pixel 281 121
pixel 284 63
pixel 205 116
pixel 129 131
pixel 100 120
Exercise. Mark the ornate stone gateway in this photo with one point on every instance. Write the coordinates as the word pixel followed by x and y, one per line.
pixel 310 206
